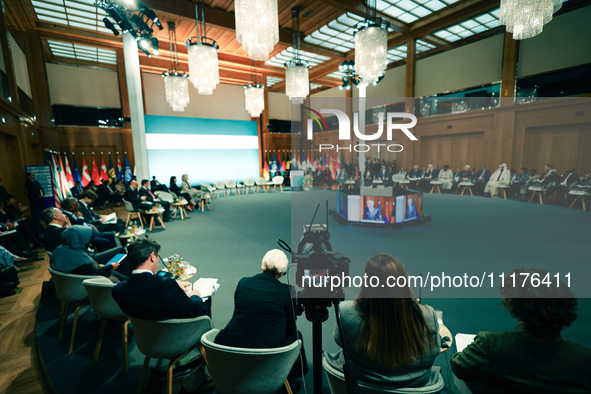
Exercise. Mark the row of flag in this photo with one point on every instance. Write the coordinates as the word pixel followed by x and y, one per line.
pixel 64 177
pixel 307 161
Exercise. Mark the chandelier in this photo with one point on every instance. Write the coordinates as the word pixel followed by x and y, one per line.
pixel 203 57
pixel 297 85
pixel 254 98
pixel 526 19
pixel 176 82
pixel 257 27
pixel 371 46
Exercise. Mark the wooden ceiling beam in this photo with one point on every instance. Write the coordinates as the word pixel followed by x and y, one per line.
pixel 357 7
pixel 223 20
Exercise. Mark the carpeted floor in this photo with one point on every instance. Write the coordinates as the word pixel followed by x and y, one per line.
pixel 466 234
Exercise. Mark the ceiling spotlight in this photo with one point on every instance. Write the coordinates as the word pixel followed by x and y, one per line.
pixel 144 42
pixel 109 25
pixel 150 14
pixel 155 46
pixel 140 24
pixel 115 15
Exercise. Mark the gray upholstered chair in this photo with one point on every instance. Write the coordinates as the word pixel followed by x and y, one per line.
pixel 168 339
pixel 130 212
pixel 240 370
pixel 104 306
pixel 336 383
pixel 231 185
pixel 220 186
pixel 165 196
pixel 69 289
pixel 248 182
pixel 278 181
pixel 261 183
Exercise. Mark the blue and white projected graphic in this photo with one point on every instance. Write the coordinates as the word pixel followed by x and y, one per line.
pixel 206 149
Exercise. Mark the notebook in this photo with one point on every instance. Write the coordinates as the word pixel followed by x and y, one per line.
pixel 463 340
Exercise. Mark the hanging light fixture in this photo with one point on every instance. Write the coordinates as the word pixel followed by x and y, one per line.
pixel 203 57
pixel 254 97
pixel 297 82
pixel 526 19
pixel 257 27
pixel 176 82
pixel 371 46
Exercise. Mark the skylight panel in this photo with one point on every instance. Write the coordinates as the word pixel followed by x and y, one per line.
pixel 82 52
pixel 314 86
pixel 82 14
pixel 272 81
pixel 470 27
pixel 287 54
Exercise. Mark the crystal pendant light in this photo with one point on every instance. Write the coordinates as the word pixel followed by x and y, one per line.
pixel 297 83
pixel 257 27
pixel 203 57
pixel 526 19
pixel 176 82
pixel 371 46
pixel 254 98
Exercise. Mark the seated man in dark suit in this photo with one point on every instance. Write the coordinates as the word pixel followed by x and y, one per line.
pixel 481 179
pixel 132 195
pixel 533 358
pixel 77 190
pixel 384 175
pixel 151 197
pixel 86 201
pixel 148 296
pixel 264 311
pixel 57 222
pixel 102 241
pixel 108 193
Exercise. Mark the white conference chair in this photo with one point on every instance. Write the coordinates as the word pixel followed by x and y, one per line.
pixel 230 185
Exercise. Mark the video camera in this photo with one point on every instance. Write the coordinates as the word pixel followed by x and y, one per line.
pixel 315 261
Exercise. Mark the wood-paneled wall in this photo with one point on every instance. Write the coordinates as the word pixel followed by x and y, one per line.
pixel 554 131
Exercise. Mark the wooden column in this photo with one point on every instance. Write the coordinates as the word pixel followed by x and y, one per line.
pixel 40 91
pixel 123 87
pixel 409 88
pixel 263 121
pixel 510 58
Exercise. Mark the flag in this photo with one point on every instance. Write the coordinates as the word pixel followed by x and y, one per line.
pixel 283 164
pixel 111 170
pixel 266 170
pixel 56 190
pixel 85 175
pixel 119 169
pixel 128 175
pixel 95 172
pixel 65 190
pixel 69 177
pixel 273 164
pixel 104 173
pixel 75 173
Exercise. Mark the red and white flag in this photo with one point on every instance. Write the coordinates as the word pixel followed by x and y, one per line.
pixel 95 172
pixel 104 173
pixel 85 175
pixel 69 177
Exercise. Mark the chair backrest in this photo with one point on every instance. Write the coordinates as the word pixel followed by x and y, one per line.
pixel 164 196
pixel 219 185
pixel 278 180
pixel 248 182
pixel 240 370
pixel 100 295
pixel 128 206
pixel 168 338
pixel 397 177
pixel 206 187
pixel 230 184
pixel 260 181
pixel 336 383
pixel 69 287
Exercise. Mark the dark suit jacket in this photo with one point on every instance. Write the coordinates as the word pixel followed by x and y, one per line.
pixel 34 188
pixel 431 174
pixel 134 198
pixel 87 213
pixel 4 195
pixel 74 219
pixel 143 192
pixel 414 174
pixel 520 362
pixel 548 178
pixel 52 237
pixel 263 314
pixel 485 177
pixel 76 191
pixel 150 297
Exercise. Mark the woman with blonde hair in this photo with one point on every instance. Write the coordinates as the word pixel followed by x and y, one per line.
pixel 392 339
